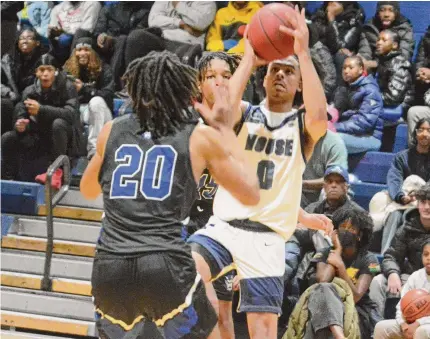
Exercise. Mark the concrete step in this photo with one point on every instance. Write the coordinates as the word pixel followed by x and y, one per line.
pixel 48 324
pixel 47 304
pixel 34 282
pixel 76 199
pixel 69 212
pixel 71 230
pixel 25 335
pixel 38 244
pixel 62 266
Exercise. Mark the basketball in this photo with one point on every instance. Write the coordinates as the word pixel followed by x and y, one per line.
pixel 415 304
pixel 264 35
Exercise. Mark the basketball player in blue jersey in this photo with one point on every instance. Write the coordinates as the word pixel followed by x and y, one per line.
pixel 214 69
pixel 147 166
pixel 277 139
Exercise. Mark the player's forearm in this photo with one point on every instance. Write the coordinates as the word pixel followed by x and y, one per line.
pixel 313 91
pixel 314 184
pixel 238 82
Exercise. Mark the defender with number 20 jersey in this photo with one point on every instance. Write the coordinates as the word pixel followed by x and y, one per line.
pixel 274 143
pixel 150 185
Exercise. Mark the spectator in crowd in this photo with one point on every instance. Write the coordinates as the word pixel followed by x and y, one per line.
pixel 413 161
pixel 9 21
pixel 339 24
pixel 421 102
pixel 328 152
pixel 95 86
pixel 47 121
pixel 326 302
pixel 223 34
pixel 398 328
pixel 388 16
pixel 404 255
pixel 336 184
pixel 18 72
pixel 71 19
pixel 393 72
pixel 183 21
pixel 120 24
pixel 36 14
pixel 360 125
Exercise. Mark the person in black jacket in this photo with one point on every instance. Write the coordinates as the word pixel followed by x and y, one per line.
pixel 114 24
pixel 393 72
pixel 412 161
pixel 47 121
pixel 339 25
pixel 388 16
pixel 421 100
pixel 18 72
pixel 9 19
pixel 404 255
pixel 95 86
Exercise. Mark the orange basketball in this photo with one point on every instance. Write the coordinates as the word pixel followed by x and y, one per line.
pixel 264 35
pixel 415 304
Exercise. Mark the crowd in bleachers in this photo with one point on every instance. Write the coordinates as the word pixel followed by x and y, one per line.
pixel 62 66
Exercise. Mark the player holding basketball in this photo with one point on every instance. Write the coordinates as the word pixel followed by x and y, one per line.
pixel 277 140
pixel 146 166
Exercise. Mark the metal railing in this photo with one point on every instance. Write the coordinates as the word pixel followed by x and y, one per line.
pixel 51 202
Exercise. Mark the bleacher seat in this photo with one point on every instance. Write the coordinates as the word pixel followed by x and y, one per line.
pixel 392 114
pixel 21 197
pixel 374 166
pixel 363 192
pixel 401 140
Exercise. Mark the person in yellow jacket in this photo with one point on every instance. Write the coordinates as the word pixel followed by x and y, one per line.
pixel 223 33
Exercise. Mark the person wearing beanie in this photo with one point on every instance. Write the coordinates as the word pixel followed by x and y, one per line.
pixel 47 122
pixel 388 16
pixel 94 83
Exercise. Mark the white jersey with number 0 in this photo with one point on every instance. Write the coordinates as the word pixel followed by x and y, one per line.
pixel 273 144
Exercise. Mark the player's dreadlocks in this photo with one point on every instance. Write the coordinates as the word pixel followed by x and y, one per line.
pixel 231 59
pixel 161 89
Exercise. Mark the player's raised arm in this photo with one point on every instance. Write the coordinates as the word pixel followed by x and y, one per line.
pixel 216 148
pixel 241 77
pixel 89 186
pixel 313 91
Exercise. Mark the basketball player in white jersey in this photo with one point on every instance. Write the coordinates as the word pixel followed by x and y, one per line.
pixel 278 140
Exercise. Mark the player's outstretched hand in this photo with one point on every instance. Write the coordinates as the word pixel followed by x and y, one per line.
pixel 221 115
pixel 317 222
pixel 299 30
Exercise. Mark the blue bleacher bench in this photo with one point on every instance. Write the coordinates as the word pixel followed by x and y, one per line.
pixel 374 167
pixel 392 114
pixel 20 197
pixel 363 192
pixel 401 140
pixel 117 103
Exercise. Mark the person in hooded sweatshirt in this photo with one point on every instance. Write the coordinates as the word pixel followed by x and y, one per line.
pixel 47 121
pixel 388 16
pixel 340 25
pixel 360 105
pixel 404 255
pixel 18 71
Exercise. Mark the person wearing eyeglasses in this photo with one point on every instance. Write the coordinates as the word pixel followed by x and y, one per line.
pixel 18 71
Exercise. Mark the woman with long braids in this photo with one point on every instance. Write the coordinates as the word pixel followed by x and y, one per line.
pixel 147 166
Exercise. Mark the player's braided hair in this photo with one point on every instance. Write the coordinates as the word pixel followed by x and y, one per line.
pixel 231 59
pixel 162 89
